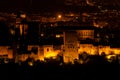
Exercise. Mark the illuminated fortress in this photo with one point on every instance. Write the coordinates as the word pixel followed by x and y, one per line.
pixel 76 42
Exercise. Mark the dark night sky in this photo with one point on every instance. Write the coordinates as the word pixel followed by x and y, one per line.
pixel 27 3
pixel 41 5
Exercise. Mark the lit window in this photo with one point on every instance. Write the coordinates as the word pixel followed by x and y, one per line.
pixel 57 36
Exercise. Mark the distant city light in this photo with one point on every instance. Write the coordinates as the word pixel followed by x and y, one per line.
pixel 42 34
pixel 59 16
pixel 30 63
pixel 57 36
pixel 12 32
pixel 6 61
pixel 71 14
pixel 23 15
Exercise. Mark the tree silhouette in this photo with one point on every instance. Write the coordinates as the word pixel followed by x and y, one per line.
pixel 5 38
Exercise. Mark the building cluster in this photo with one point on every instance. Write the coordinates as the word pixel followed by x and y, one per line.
pixel 66 35
pixel 77 40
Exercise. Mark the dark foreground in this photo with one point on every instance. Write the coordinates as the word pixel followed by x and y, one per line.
pixel 53 71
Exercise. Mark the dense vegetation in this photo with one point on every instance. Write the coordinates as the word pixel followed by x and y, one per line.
pixel 96 69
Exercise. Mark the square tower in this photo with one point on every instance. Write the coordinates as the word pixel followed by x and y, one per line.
pixel 70 46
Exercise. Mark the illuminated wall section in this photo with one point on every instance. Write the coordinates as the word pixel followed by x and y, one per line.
pixel 48 51
pixel 70 46
pixel 40 53
pixel 83 34
pixel 88 48
pixel 93 50
pixel 4 50
pixel 45 51
pixel 104 49
pixel 10 54
pixel 115 50
pixel 23 57
pixel 23 29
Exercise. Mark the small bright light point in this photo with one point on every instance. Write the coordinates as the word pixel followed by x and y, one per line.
pixel 57 36
pixel 5 61
pixel 12 32
pixel 30 63
pixel 42 34
pixel 61 64
pixel 71 14
pixel 59 16
pixel 23 15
